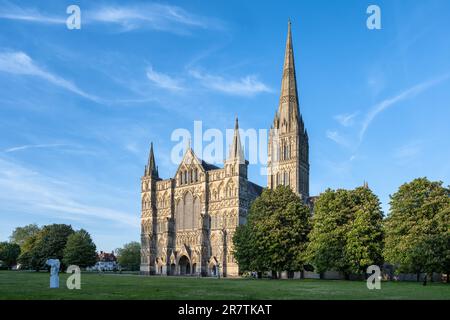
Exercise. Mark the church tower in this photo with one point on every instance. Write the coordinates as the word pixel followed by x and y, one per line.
pixel 148 214
pixel 288 149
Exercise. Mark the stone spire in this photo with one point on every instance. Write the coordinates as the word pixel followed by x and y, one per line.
pixel 288 109
pixel 288 158
pixel 236 151
pixel 151 169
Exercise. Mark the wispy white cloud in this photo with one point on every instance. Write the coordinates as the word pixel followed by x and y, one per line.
pixel 152 16
pixel 406 94
pixel 32 146
pixel 30 191
pixel 163 80
pixel 337 137
pixel 11 11
pixel 246 86
pixel 149 16
pixel 19 63
pixel 346 120
pixel 408 151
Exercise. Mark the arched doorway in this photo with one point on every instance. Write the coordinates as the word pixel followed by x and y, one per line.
pixel 194 268
pixel 172 269
pixel 188 269
pixel 185 266
pixel 214 271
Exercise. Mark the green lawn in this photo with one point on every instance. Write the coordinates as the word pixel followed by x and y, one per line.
pixel 32 285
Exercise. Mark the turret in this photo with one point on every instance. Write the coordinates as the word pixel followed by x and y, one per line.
pixel 151 169
pixel 236 158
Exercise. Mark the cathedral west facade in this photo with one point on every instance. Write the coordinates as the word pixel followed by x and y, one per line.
pixel 188 221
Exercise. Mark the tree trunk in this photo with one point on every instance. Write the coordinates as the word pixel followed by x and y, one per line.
pixel 274 274
pixel 448 276
pixel 418 276
pixel 425 279
pixel 259 275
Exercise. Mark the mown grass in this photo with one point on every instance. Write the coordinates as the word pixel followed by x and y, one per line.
pixel 33 285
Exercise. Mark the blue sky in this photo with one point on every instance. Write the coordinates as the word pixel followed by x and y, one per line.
pixel 78 108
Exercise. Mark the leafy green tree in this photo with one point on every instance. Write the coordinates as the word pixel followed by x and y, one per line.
pixel 275 236
pixel 9 252
pixel 243 249
pixel 28 256
pixel 46 244
pixel 130 255
pixel 418 228
pixel 21 234
pixel 333 211
pixel 80 250
pixel 364 241
pixel 347 232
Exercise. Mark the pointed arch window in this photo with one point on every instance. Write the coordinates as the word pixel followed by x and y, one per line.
pixel 286 178
pixel 188 211
pixel 179 217
pixel 196 214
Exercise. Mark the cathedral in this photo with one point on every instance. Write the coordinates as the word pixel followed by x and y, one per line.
pixel 188 221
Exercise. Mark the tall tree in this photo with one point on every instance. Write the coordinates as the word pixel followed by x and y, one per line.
pixel 347 232
pixel 80 250
pixel 48 243
pixel 364 243
pixel 243 249
pixel 275 237
pixel 418 228
pixel 28 256
pixel 333 212
pixel 21 234
pixel 130 255
pixel 9 252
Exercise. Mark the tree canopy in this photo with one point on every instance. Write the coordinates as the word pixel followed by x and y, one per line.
pixel 129 256
pixel 418 228
pixel 276 232
pixel 347 233
pixel 46 244
pixel 9 252
pixel 21 234
pixel 364 246
pixel 80 250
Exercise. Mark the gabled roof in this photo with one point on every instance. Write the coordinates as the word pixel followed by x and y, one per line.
pixel 255 188
pixel 190 158
pixel 208 166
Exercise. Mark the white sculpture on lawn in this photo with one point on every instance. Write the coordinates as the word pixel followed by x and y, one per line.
pixel 54 270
